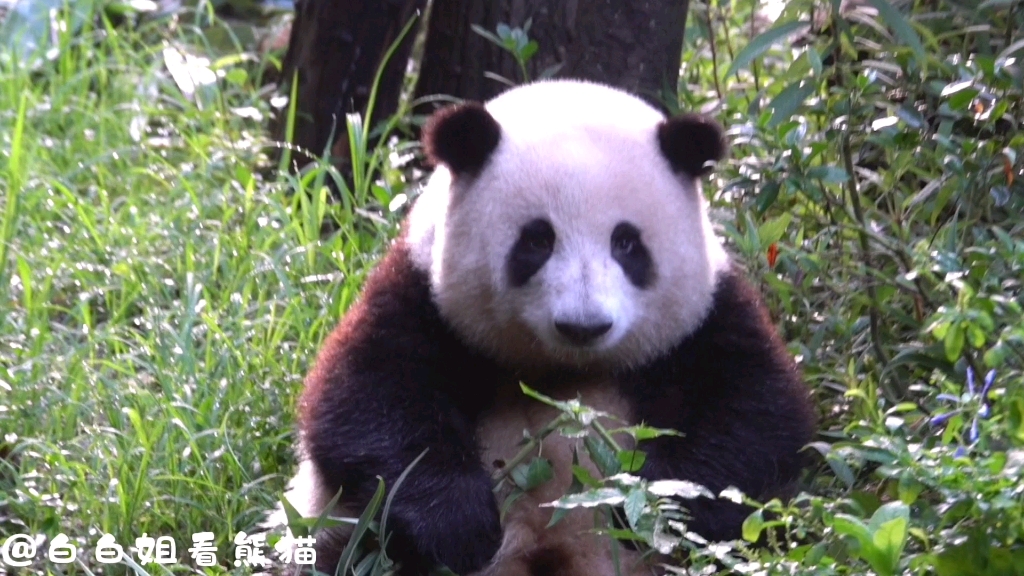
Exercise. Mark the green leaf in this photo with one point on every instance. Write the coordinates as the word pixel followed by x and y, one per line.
pixel 635 503
pixel 772 230
pixel 975 335
pixel 762 43
pixel 584 477
pixel 680 488
pixel 1016 419
pixel 514 497
pixel 296 523
pixel 632 460
pixel 904 30
pixel 769 193
pixel 753 525
pixel 486 34
pixel 887 512
pixel 386 511
pixel 789 100
pixel 136 420
pixel 954 342
pixel 996 355
pixel 602 456
pixel 641 432
pixel 1012 49
pixel 995 4
pixel 348 555
pixel 841 469
pixel 575 487
pixel 888 527
pixel 955 87
pixel 959 101
pixel 909 488
pixel 540 472
pixel 589 499
pixel 529 50
pixel 828 174
pixel 850 526
pixel 889 540
pixel 621 534
pixel 814 57
pixel 561 406
pixel 519 475
pixel 237 76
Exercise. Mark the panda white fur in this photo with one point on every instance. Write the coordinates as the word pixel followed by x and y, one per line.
pixel 562 241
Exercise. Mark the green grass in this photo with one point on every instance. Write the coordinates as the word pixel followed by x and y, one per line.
pixel 161 299
pixel 163 290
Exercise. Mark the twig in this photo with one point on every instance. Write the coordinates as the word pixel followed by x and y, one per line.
pixel 714 50
pixel 603 433
pixel 865 247
pixel 531 445
pixel 753 21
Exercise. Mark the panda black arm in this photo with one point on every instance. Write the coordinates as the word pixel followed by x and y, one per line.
pixel 734 393
pixel 390 382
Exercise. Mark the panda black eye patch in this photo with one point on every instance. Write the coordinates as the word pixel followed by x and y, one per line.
pixel 632 255
pixel 533 248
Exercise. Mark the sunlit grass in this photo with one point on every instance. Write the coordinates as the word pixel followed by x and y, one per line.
pixel 161 300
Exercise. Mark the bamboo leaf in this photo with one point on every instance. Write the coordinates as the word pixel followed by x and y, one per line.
pixel 762 43
pixel 789 100
pixel 904 30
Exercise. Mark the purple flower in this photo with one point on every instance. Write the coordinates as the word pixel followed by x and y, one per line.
pixel 986 407
pixel 990 379
pixel 940 419
pixel 983 411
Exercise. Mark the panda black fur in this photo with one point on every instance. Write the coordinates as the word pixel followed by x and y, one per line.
pixel 562 241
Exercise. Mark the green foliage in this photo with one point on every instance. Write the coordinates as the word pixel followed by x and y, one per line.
pixel 517 42
pixel 876 183
pixel 162 296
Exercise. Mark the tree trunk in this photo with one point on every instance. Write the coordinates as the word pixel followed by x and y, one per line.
pixel 627 44
pixel 337 45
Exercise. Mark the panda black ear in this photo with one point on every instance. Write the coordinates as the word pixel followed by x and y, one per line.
pixel 462 137
pixel 690 141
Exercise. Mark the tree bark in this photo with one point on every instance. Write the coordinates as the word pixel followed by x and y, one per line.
pixel 337 45
pixel 627 44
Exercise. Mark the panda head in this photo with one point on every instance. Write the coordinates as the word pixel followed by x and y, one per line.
pixel 565 225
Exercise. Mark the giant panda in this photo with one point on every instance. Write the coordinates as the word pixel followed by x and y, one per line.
pixel 563 242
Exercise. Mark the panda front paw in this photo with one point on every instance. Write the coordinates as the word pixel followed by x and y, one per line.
pixel 461 530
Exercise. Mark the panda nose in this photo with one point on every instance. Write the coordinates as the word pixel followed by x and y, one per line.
pixel 581 334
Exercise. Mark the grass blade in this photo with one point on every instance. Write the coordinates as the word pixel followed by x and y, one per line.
pixel 15 176
pixel 348 556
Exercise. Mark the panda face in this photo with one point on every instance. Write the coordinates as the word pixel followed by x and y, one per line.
pixel 586 289
pixel 574 241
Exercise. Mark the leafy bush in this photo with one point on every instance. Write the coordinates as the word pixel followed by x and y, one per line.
pixel 876 180
pixel 161 296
